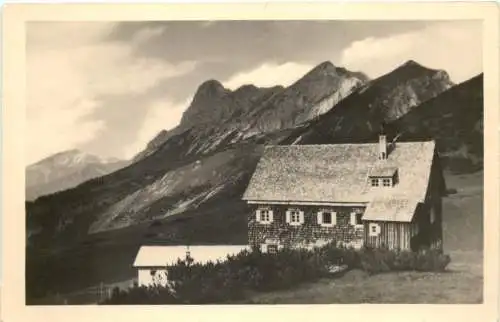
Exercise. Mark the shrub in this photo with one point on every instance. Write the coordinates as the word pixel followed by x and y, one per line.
pixel 451 191
pixel 155 223
pixel 382 260
pixel 192 283
pixel 142 295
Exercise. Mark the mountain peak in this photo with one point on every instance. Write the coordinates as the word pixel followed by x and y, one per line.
pixel 324 67
pixel 65 170
pixel 211 87
pixel 413 70
pixel 69 152
pixel 411 62
pixel 413 65
pixel 60 155
pixel 246 88
pixel 73 156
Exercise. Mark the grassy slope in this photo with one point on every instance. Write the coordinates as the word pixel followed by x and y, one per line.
pixel 463 237
pixel 463 284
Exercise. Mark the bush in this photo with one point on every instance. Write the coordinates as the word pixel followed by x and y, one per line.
pixel 142 295
pixel 155 223
pixel 451 191
pixel 382 260
pixel 219 282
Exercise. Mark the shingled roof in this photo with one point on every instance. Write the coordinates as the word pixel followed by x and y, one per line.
pixel 388 209
pixel 340 173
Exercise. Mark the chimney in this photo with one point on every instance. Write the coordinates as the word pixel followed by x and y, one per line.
pixel 382 147
pixel 382 143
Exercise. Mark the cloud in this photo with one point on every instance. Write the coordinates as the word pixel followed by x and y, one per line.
pixel 453 46
pixel 162 115
pixel 269 74
pixel 70 71
pixel 148 33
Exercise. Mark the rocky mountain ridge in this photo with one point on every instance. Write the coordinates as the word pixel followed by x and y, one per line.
pixel 217 113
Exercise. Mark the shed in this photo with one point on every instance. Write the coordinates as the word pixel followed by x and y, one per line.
pixel 151 262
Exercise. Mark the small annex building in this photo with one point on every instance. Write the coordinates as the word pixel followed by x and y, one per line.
pixel 375 194
pixel 151 262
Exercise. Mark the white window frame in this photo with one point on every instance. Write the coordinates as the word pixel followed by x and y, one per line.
pixel 374 182
pixel 354 220
pixel 265 216
pixel 290 215
pixel 388 181
pixel 272 246
pixel 264 247
pixel 268 213
pixel 320 218
pixel 373 230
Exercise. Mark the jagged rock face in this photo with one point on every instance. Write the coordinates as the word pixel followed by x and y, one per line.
pixel 314 94
pixel 216 113
pixel 153 145
pixel 406 87
pixel 211 101
pixel 66 170
pixel 214 104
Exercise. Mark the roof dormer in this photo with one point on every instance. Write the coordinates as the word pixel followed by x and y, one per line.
pixel 383 176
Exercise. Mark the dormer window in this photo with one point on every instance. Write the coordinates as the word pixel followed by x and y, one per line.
pixel 383 176
pixel 381 182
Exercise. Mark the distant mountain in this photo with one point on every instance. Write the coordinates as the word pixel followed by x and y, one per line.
pixel 66 170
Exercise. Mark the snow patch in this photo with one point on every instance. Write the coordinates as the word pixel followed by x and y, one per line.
pixel 213 192
pixel 297 140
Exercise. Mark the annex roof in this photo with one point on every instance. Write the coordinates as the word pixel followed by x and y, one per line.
pixel 340 173
pixel 399 210
pixel 161 256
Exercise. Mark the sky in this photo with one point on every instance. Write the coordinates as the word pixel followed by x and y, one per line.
pixel 108 88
